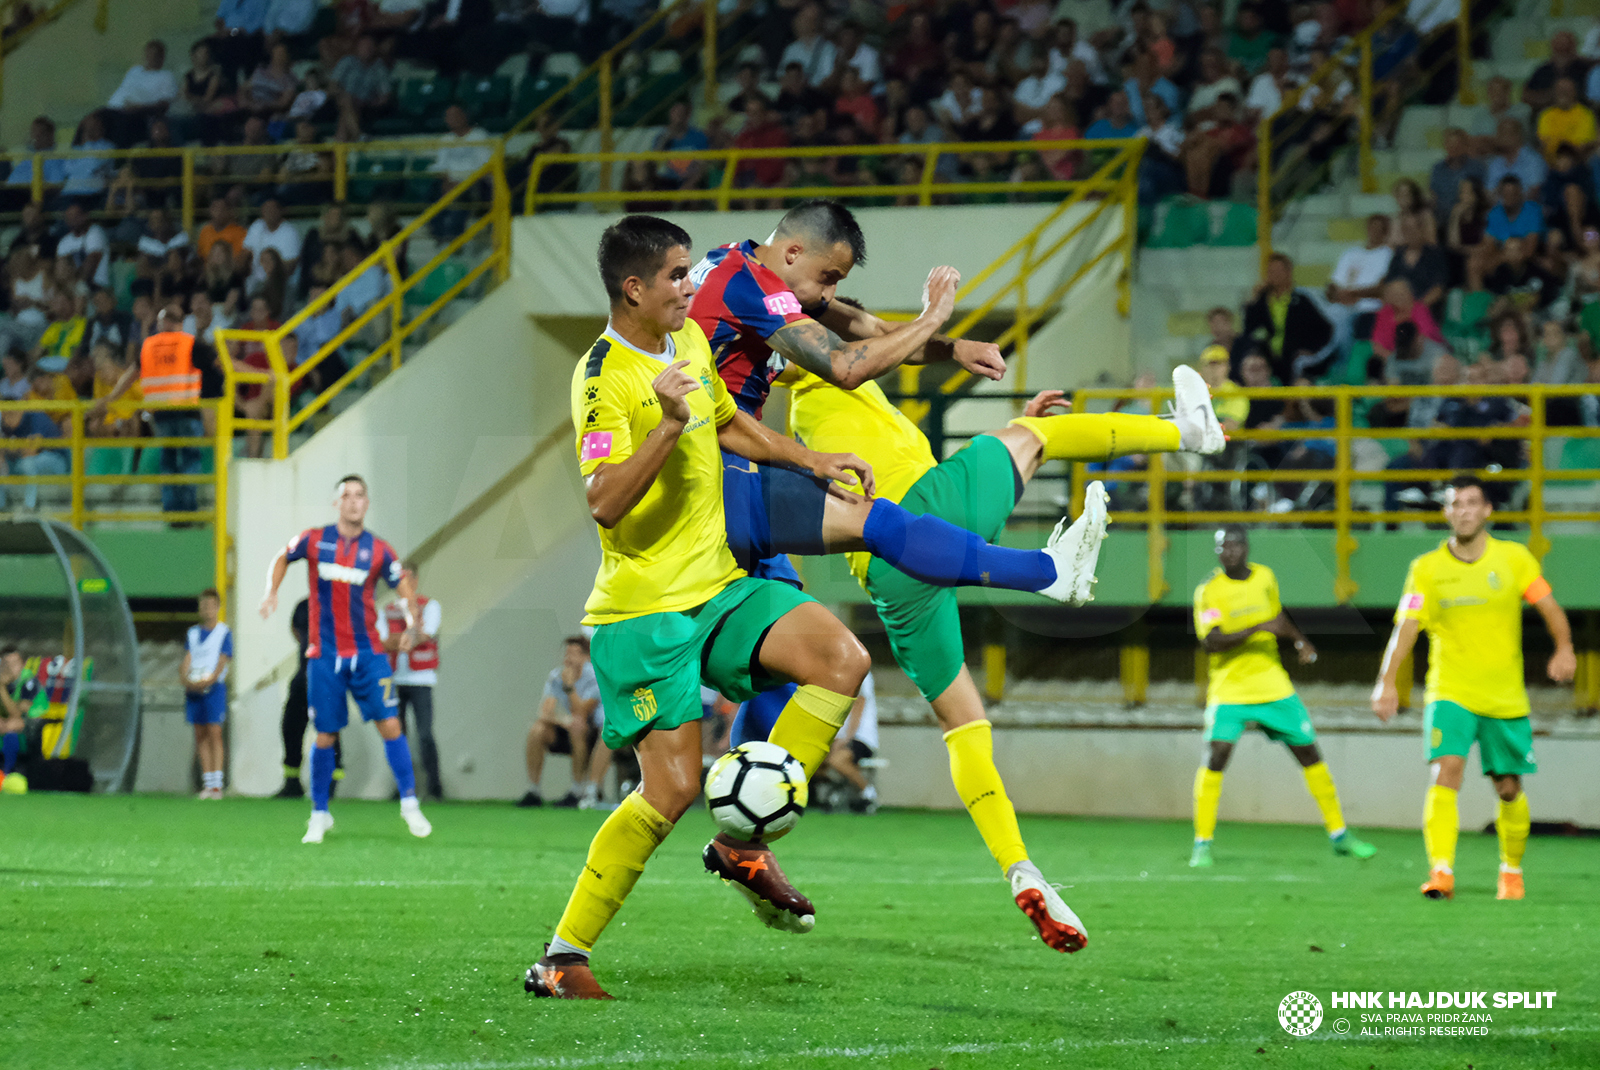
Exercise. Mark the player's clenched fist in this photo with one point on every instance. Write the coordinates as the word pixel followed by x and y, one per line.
pixel 672 387
pixel 845 468
pixel 1385 700
pixel 939 293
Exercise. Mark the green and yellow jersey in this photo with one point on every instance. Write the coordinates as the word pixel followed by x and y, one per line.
pixel 1251 672
pixel 670 552
pixel 1472 612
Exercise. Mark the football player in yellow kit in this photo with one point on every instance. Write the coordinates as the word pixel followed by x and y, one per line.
pixel 1469 595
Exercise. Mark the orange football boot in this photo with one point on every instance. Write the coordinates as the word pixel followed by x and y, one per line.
pixel 1441 884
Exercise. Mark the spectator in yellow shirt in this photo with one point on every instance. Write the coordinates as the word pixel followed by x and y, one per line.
pixel 1567 121
pixel 1225 398
pixel 121 418
pixel 62 337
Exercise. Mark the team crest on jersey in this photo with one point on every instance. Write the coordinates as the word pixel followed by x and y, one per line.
pixel 644 704
pixel 362 555
pixel 1494 580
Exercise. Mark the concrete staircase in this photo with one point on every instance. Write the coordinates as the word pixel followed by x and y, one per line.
pixel 1175 287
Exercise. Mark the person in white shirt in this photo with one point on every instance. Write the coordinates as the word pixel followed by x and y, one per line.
pixel 1355 292
pixel 271 231
pixel 960 103
pixel 416 672
pixel 857 741
pixel 1268 87
pixel 851 51
pixel 208 648
pixel 147 90
pixel 468 148
pixel 1035 91
pixel 814 52
pixel 569 718
pixel 86 246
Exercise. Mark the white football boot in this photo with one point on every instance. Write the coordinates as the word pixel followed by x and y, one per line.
pixel 1076 549
pixel 411 810
pixel 1058 926
pixel 321 821
pixel 1198 429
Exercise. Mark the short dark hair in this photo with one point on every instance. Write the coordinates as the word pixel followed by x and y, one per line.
pixel 1511 179
pixel 211 592
pixel 579 641
pixel 1467 479
pixel 636 246
pixel 10 648
pixel 1230 531
pixel 829 222
pixel 351 478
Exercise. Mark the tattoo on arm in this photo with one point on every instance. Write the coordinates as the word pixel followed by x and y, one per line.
pixel 818 350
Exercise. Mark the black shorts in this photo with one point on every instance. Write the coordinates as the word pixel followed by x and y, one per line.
pixel 562 743
pixel 859 751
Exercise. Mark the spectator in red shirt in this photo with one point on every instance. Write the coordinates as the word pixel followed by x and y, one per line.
pixel 856 102
pixel 1058 126
pixel 1400 305
pixel 762 130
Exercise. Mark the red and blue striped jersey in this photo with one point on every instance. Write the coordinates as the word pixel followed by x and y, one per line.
pixel 739 303
pixel 344 579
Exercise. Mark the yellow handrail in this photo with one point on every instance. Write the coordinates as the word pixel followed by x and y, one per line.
pixel 925 189
pixel 1343 516
pixel 496 223
pixel 1357 52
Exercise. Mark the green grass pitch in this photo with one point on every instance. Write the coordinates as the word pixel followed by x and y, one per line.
pixel 163 932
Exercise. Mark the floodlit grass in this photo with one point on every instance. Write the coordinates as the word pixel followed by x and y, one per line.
pixel 161 932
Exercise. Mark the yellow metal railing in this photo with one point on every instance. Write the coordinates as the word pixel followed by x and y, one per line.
pixel 287 383
pixel 925 189
pixel 1280 133
pixel 1343 516
pixel 218 414
pixel 352 165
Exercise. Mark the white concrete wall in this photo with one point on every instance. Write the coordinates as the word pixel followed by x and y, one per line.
pixel 1149 774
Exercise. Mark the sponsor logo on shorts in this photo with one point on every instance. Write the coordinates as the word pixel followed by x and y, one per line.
pixel 782 304
pixel 644 704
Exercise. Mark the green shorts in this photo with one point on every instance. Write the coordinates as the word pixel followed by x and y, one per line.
pixel 1505 744
pixel 1284 720
pixel 976 490
pixel 650 668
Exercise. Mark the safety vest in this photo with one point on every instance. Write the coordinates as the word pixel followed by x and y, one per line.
pixel 423 656
pixel 166 367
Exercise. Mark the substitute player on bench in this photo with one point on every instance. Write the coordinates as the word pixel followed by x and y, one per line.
pixel 1239 619
pixel 345 655
pixel 1469 594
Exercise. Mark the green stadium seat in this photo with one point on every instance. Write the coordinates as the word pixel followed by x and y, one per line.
pixel 485 97
pixel 1180 224
pixel 365 184
pixel 531 92
pixel 419 106
pixel 1580 453
pixel 648 104
pixel 421 187
pixel 437 283
pixel 1464 328
pixel 1589 321
pixel 1238 227
pixel 149 463
pixel 1354 372
pixel 107 461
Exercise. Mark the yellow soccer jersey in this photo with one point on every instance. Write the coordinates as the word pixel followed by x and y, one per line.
pixel 1473 615
pixel 670 552
pixel 1252 671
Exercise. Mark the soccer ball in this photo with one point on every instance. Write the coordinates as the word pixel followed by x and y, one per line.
pixel 756 791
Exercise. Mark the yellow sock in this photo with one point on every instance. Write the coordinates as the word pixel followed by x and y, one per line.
pixel 1207 794
pixel 1320 783
pixel 1441 824
pixel 983 793
pixel 616 858
pixel 1100 436
pixel 1512 822
pixel 806 726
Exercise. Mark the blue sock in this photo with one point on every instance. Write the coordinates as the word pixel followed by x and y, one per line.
pixel 399 755
pixel 939 553
pixel 321 776
pixel 12 742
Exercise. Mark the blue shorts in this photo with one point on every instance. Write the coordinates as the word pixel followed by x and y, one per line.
pixel 755 718
pixel 366 678
pixel 771 512
pixel 211 707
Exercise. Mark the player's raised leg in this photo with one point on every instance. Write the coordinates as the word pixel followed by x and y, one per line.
pixel 1319 782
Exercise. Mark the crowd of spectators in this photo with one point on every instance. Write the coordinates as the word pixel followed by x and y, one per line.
pixel 1487 274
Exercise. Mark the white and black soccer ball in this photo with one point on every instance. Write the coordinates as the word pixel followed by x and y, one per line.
pixel 757 791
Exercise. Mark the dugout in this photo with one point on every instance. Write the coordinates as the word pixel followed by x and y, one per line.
pixel 61 604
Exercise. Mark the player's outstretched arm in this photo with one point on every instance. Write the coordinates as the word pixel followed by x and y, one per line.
pixel 1217 640
pixel 1282 626
pixel 275 573
pixel 1386 692
pixel 614 489
pixel 1564 662
pixel 849 364
pixel 753 440
pixel 853 323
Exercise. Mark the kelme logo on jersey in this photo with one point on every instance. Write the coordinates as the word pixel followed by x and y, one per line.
pixel 591 394
pixel 644 704
pixel 1300 1014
